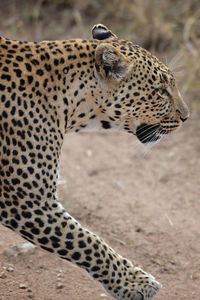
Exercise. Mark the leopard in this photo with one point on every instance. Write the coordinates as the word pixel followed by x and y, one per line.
pixel 51 88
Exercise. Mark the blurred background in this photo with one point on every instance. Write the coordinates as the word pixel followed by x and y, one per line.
pixel 146 207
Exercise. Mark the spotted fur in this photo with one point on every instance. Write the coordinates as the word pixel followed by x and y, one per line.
pixel 54 87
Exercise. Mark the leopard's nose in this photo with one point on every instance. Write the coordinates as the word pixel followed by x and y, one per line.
pixel 181 108
pixel 183 119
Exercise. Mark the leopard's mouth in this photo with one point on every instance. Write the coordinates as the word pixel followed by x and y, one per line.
pixel 149 133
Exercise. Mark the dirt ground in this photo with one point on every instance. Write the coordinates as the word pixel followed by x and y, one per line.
pixel 146 206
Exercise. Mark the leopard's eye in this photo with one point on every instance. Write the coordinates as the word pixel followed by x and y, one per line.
pixel 163 92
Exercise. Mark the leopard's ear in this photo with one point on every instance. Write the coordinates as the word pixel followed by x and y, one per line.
pixel 101 32
pixel 110 63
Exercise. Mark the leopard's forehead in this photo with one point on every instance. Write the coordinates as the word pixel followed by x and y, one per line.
pixel 144 60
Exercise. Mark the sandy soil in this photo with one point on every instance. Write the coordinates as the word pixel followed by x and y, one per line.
pixel 146 206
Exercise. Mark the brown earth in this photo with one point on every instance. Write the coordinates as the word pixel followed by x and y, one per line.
pixel 146 206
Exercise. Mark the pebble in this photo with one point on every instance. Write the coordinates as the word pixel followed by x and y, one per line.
pixel 10 268
pixel 60 271
pixel 25 248
pixel 23 286
pixel 195 275
pixel 3 275
pixel 89 152
pixel 30 295
pixel 59 286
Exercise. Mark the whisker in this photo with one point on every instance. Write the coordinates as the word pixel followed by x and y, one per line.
pixel 143 149
pixel 152 142
pixel 177 59
pixel 153 134
pixel 146 127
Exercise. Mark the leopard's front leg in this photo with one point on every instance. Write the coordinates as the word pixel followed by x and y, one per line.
pixel 53 229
